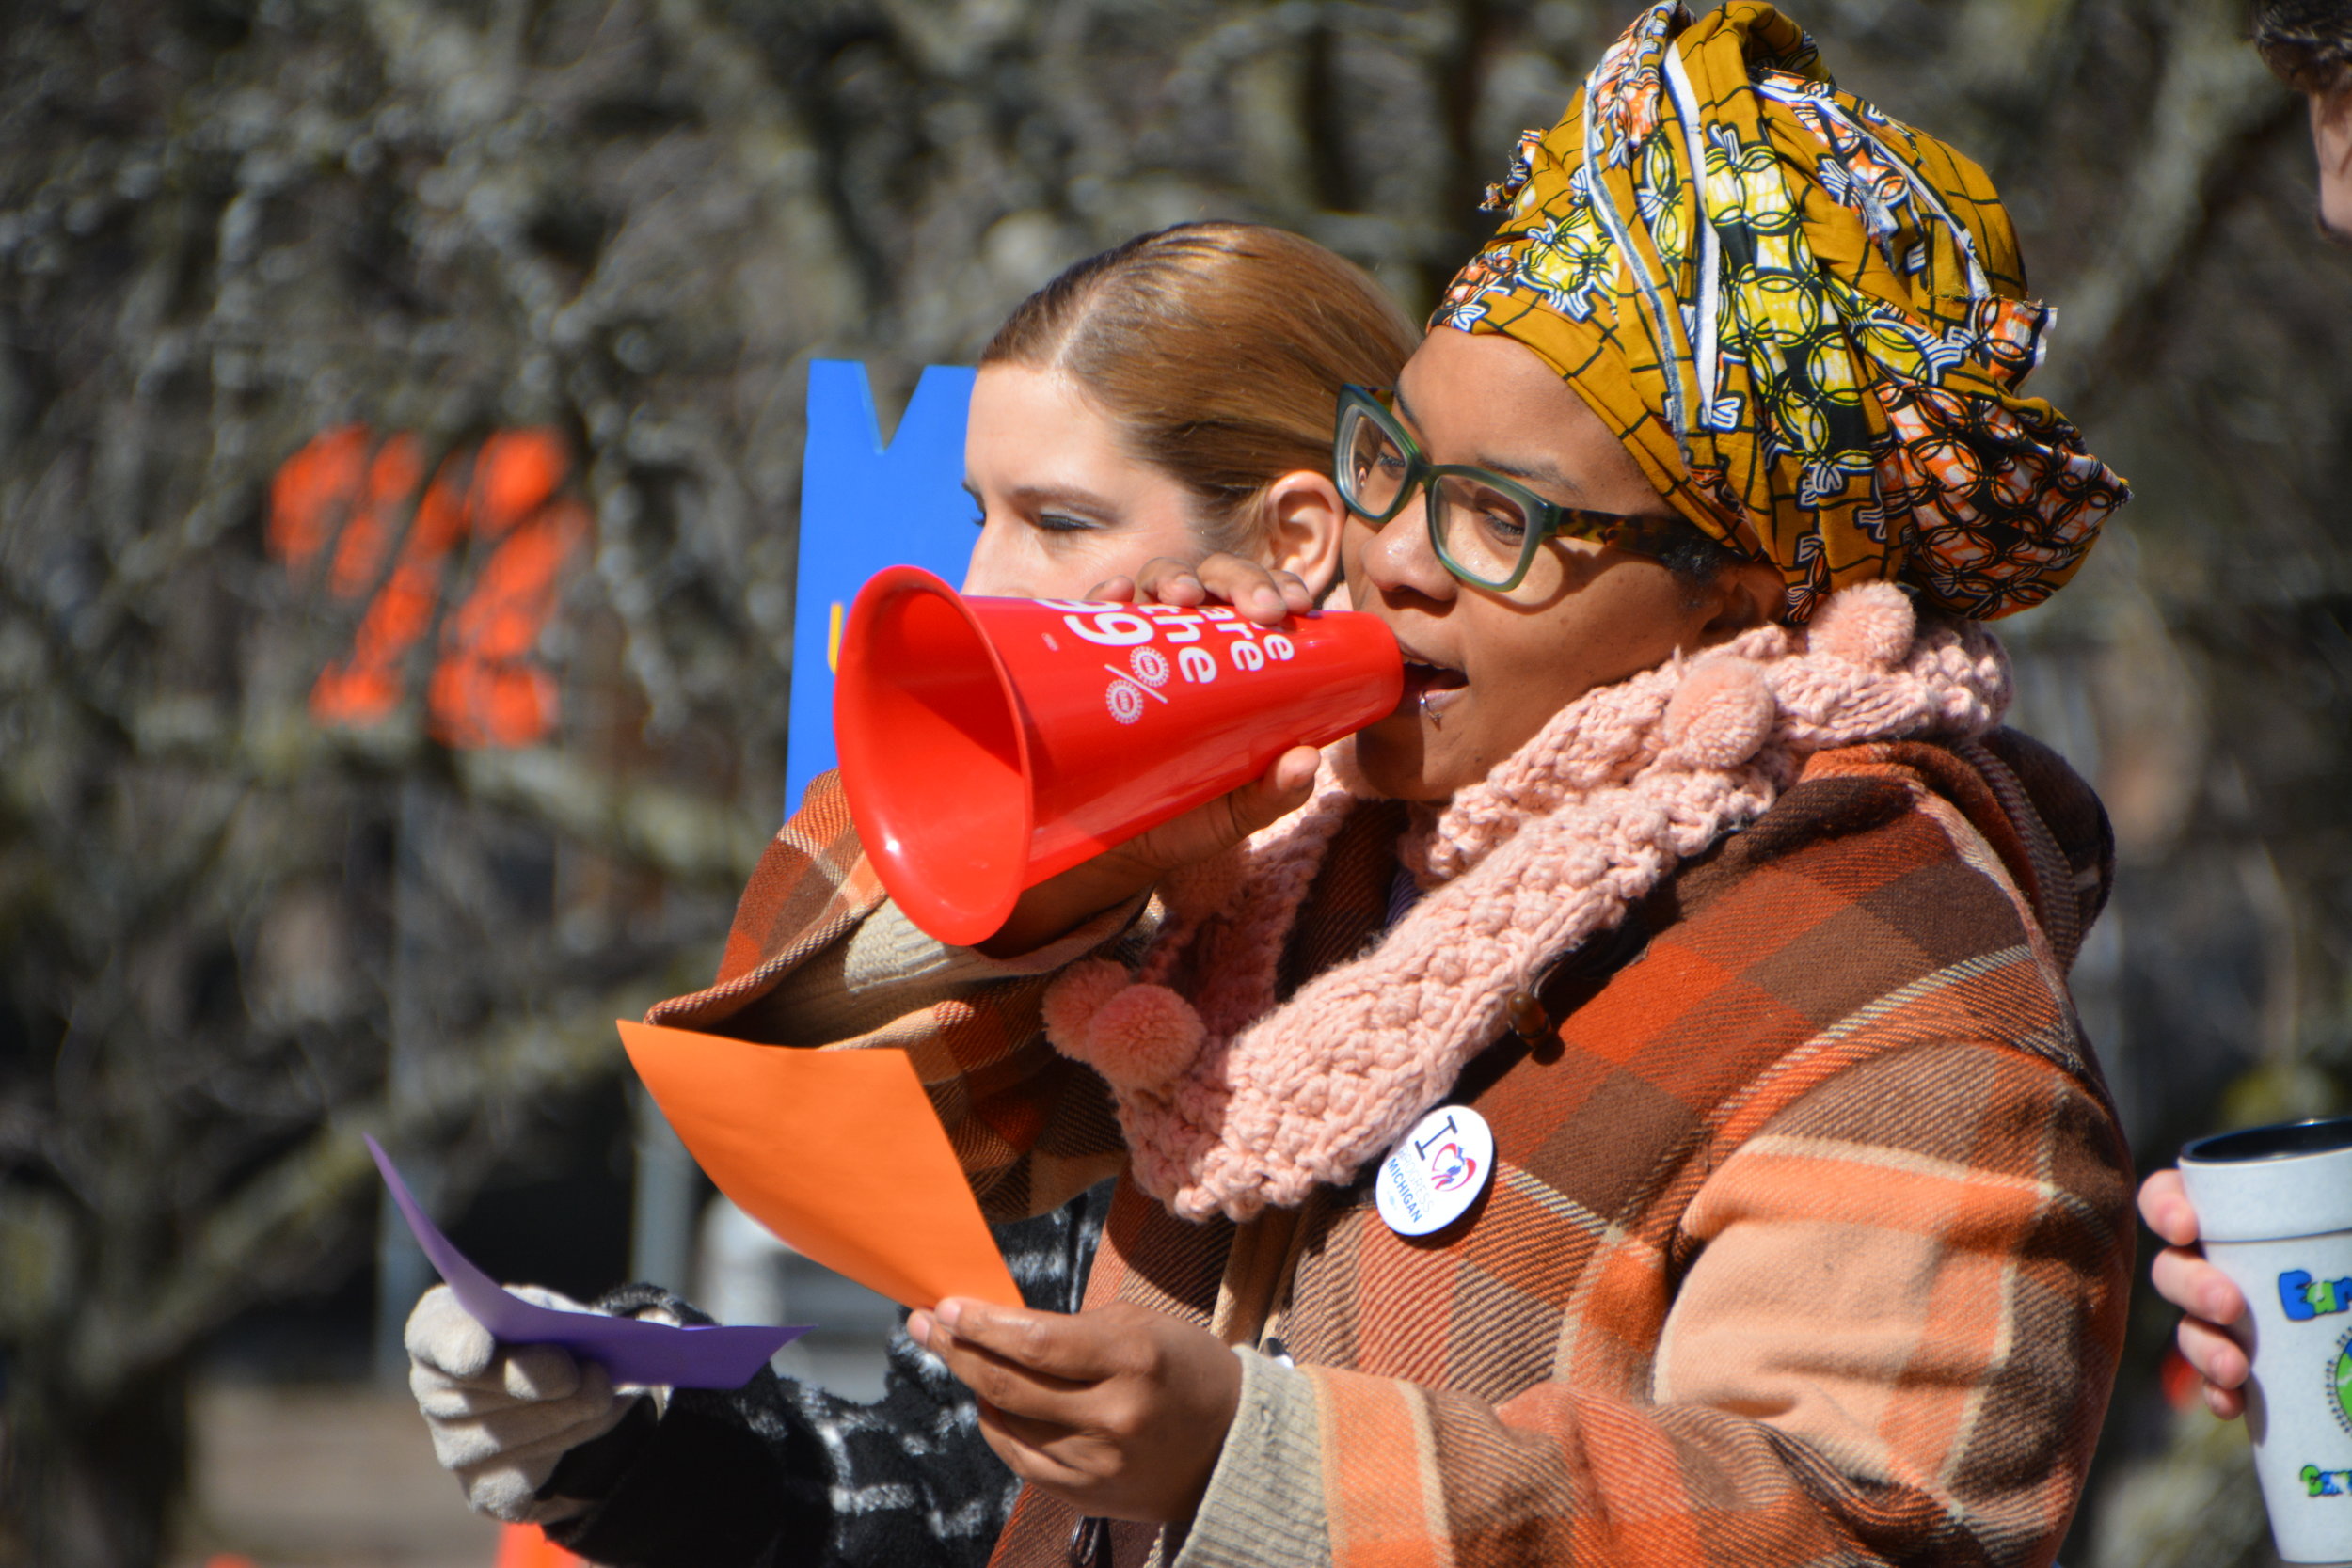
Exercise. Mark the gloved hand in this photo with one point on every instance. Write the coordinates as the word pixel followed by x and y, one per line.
pixel 502 1416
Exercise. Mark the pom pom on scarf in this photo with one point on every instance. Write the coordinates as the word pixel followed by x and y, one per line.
pixel 1075 996
pixel 1140 1039
pixel 1721 715
pixel 1871 624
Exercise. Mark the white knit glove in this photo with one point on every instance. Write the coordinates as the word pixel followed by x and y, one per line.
pixel 502 1415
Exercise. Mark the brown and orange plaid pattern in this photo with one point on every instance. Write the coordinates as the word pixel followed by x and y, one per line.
pixel 1810 1241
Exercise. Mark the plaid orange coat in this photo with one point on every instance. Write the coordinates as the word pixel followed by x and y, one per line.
pixel 1809 1243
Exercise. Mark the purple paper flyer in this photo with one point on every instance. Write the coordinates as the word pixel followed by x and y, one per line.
pixel 632 1350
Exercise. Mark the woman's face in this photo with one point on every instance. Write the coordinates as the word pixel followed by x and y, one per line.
pixel 1063 503
pixel 1484 670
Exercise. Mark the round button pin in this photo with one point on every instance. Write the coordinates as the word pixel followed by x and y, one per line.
pixel 1432 1178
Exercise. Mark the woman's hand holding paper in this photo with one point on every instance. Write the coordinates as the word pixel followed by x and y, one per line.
pixel 1119 1411
pixel 502 1417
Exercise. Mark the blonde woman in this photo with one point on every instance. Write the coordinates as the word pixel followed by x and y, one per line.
pixel 1171 398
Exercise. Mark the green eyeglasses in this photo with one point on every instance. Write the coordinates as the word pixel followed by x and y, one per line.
pixel 1486 528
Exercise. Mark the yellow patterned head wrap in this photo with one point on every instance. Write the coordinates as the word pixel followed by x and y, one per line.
pixel 1817 362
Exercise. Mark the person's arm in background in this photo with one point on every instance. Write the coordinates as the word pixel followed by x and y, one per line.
pixel 2311 53
pixel 2203 1294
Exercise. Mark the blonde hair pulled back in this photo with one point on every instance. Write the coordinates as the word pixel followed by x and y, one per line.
pixel 1218 349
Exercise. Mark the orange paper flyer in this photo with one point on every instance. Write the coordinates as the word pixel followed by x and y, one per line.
pixel 838 1152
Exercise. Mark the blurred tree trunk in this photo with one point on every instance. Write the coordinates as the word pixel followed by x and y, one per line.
pixel 102 1469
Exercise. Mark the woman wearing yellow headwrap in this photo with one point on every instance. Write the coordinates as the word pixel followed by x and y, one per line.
pixel 1813 347
pixel 1695 869
pixel 1626 1110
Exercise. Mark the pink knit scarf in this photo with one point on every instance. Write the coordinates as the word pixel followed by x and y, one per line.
pixel 1229 1102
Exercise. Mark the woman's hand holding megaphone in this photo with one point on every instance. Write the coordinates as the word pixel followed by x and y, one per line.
pixel 1266 595
pixel 1063 903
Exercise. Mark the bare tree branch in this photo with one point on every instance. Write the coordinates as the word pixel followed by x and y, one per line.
pixel 267 1236
pixel 2214 97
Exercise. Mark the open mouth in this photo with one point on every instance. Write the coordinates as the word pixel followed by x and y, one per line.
pixel 1429 687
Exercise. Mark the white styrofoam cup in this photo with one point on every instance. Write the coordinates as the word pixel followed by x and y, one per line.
pixel 2274 1206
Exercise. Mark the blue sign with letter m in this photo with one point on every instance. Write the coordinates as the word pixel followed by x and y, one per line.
pixel 867 504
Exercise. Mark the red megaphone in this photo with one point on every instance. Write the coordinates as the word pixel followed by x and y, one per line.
pixel 988 744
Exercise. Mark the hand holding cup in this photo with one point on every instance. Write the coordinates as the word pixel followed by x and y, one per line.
pixel 2274 1208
